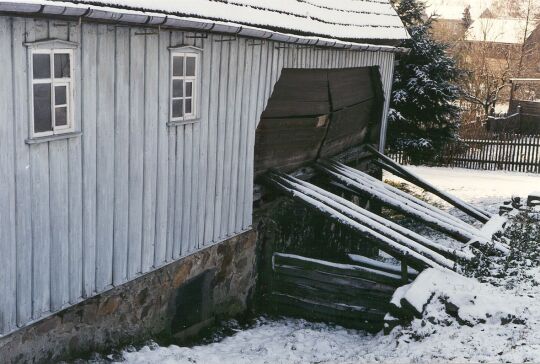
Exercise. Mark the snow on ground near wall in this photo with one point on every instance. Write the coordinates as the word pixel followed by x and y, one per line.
pixel 298 341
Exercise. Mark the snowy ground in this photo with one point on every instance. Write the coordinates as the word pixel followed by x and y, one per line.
pixel 298 341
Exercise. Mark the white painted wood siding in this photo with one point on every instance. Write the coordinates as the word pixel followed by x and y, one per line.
pixel 81 215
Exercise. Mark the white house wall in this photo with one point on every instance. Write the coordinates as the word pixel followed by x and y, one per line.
pixel 81 215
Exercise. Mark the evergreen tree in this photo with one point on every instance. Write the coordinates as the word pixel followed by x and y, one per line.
pixel 423 116
pixel 467 18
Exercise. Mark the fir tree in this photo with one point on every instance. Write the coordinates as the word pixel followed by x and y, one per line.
pixel 423 116
pixel 467 18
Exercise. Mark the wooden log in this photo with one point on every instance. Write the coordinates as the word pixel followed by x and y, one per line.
pixel 334 283
pixel 356 317
pixel 472 211
pixel 364 219
pixel 375 264
pixel 398 195
pixel 297 265
pixel 438 248
pixel 317 291
pixel 424 205
pixel 453 231
pixel 391 247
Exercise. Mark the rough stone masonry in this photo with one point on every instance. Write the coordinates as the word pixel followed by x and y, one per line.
pixel 143 308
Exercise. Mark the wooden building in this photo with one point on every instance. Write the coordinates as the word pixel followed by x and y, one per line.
pixel 127 128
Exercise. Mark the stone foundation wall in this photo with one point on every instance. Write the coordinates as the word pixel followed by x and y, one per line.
pixel 140 309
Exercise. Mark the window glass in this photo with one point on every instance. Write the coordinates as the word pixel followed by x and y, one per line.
pixel 189 89
pixel 60 97
pixel 60 116
pixel 177 108
pixel 178 88
pixel 61 65
pixel 42 107
pixel 178 66
pixel 41 65
pixel 190 66
pixel 188 106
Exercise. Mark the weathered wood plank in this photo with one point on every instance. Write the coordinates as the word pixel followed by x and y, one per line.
pixel 177 38
pixel 89 107
pixel 8 237
pixel 286 262
pixel 58 206
pixel 212 139
pixel 160 255
pixel 237 131
pixel 252 125
pixel 204 133
pixel 105 156
pixel 136 157
pixel 58 211
pixel 244 129
pixel 186 185
pixel 229 146
pixel 121 157
pixel 75 181
pixel 151 92
pixel 221 116
pixel 22 174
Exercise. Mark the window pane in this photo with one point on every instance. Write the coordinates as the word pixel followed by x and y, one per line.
pixel 190 66
pixel 188 106
pixel 177 109
pixel 189 89
pixel 178 88
pixel 178 66
pixel 61 66
pixel 60 116
pixel 60 95
pixel 41 66
pixel 42 107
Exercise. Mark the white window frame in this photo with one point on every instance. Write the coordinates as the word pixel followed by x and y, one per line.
pixel 186 51
pixel 52 47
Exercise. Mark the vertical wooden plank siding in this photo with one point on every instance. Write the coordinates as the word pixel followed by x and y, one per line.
pixel 41 233
pixel 213 105
pixel 223 107
pixel 88 124
pixel 121 156
pixel 75 182
pixel 104 156
pixel 151 87
pixel 22 174
pixel 132 193
pixel 136 141
pixel 162 185
pixel 8 310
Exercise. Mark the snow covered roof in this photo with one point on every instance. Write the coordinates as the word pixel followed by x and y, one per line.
pixel 337 19
pixel 508 31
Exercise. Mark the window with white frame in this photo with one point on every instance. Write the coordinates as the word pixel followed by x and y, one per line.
pixel 51 73
pixel 184 84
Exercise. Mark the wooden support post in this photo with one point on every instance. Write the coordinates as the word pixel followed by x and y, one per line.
pixel 404 272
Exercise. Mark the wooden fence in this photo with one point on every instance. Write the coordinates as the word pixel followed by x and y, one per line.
pixel 507 152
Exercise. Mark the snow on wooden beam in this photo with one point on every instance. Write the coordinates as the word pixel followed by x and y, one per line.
pixel 363 213
pixel 367 219
pixel 467 208
pixel 356 174
pixel 461 234
pixel 401 252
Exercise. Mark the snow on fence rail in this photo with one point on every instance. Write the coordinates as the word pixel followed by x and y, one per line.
pixel 508 152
